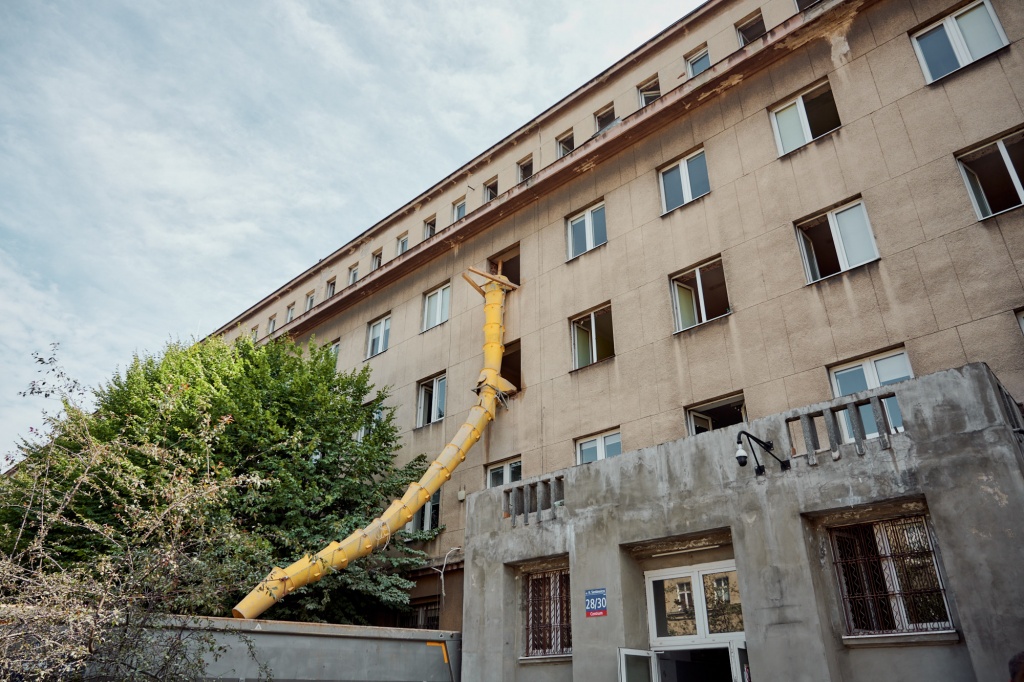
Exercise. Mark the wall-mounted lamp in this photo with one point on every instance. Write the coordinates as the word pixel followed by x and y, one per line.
pixel 766 445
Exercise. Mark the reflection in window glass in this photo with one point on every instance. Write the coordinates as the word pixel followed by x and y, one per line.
pixel 722 598
pixel 675 613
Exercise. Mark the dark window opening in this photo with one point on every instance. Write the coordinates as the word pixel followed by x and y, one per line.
pixel 425 615
pixel 991 179
pixel 804 4
pixel 526 169
pixel 717 415
pixel 512 365
pixel 565 145
pixel 819 248
pixel 751 30
pixel 822 115
pixel 604 119
pixel 508 263
pixel 491 190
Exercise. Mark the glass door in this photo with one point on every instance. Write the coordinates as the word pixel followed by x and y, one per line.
pixel 636 665
pixel 740 663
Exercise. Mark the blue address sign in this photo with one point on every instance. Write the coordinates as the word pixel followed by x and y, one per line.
pixel 597 602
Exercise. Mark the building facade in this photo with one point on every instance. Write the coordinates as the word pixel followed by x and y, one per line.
pixel 769 205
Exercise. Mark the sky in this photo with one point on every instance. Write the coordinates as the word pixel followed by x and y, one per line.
pixel 164 165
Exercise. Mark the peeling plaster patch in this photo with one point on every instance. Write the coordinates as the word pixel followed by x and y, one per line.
pixel 1000 497
pixel 840 50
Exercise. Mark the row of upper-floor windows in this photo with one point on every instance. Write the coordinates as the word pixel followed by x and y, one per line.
pixel 993 172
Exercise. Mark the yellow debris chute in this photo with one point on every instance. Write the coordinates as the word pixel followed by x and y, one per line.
pixel 337 555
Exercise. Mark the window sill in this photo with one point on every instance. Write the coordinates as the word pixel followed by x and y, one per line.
pixel 904 639
pixel 805 145
pixel 371 357
pixel 580 255
pixel 998 213
pixel 684 205
pixel 843 272
pixel 706 322
pixel 593 364
pixel 535 660
pixel 428 425
pixel 424 331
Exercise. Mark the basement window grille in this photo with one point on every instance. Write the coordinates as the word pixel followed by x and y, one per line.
pixel 889 578
pixel 548 609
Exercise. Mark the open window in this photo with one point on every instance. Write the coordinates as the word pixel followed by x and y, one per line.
pixel 458 209
pixel 836 241
pixel 507 262
pixel 700 295
pixel 310 300
pixel 751 28
pixel 648 91
pixel 431 400
pixel 526 168
pixel 402 244
pixel 429 515
pixel 716 415
pixel 807 117
pixel 490 190
pixel 564 144
pixel 353 274
pixel 604 119
pixel 376 259
pixel 956 40
pixel 804 4
pixel 271 324
pixel 994 175
pixel 332 285
pixel 684 181
pixel 429 227
pixel 592 337
pixel 289 313
pixel 698 62
pixel 512 365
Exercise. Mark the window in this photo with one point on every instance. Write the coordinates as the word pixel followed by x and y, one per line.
pixel 836 241
pixel 648 91
pixel 429 515
pixel 716 415
pixel 804 4
pixel 959 39
pixel 601 446
pixel 507 263
pixel 751 29
pixel 698 62
pixel 564 144
pixel 1020 320
pixel 500 474
pixel 604 119
pixel 586 231
pixel 512 366
pixel 459 210
pixel 429 227
pixel 376 417
pixel 255 332
pixel 888 578
pixel 402 244
pixel 436 305
pixel 377 341
pixel 808 117
pixel 331 286
pixel 995 175
pixel 548 613
pixel 873 372
pixel 490 190
pixel 700 295
pixel 271 324
pixel 422 616
pixel 335 348
pixel 353 274
pixel 289 313
pixel 684 181
pixel 526 169
pixel 592 339
pixel 691 603
pixel 376 259
pixel 430 407
pixel 310 301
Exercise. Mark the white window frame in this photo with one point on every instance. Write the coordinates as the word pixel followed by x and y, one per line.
pixel 353 274
pixel 310 300
pixel 519 168
pixel 684 178
pixel 255 332
pixel 747 22
pixel 601 446
pixel 429 227
pixel 289 313
pixel 376 260
pixel 402 244
pixel 592 316
pixel 430 389
pixel 336 348
pixel 956 39
pixel 805 125
pixel 560 150
pixel 423 520
pixel 807 249
pixel 271 324
pixel 332 286
pixel 697 411
pixel 598 128
pixel 696 574
pixel 457 206
pixel 441 316
pixel 1018 182
pixel 362 431
pixel 695 56
pixel 384 324
pixel 490 189
pixel 645 86
pixel 588 216
pixel 871 378
pixel 698 299
pixel 506 473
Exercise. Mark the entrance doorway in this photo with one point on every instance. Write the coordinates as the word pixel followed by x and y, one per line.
pixel 726 663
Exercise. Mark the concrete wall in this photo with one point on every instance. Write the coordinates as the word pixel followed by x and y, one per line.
pixel 309 651
pixel 957 460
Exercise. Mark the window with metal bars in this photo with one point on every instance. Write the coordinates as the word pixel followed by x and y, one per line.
pixel 425 616
pixel 889 579
pixel 548 619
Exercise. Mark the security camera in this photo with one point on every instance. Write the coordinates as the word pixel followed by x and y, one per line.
pixel 741 456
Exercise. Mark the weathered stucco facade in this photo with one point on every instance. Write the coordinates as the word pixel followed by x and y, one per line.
pixel 940 287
